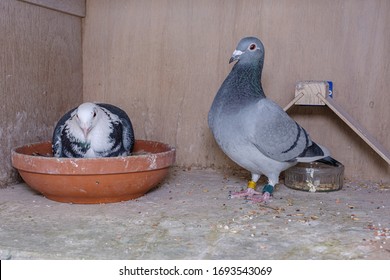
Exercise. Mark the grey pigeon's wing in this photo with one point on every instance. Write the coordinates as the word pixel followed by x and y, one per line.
pixel 57 134
pixel 277 135
pixel 128 138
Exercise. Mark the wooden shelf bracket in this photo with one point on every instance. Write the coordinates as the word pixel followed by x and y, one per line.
pixel 317 93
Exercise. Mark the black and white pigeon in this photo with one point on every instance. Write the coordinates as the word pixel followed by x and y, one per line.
pixel 252 130
pixel 93 130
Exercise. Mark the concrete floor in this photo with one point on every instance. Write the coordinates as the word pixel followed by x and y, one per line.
pixel 189 216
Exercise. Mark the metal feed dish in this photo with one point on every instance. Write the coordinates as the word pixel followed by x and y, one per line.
pixel 315 177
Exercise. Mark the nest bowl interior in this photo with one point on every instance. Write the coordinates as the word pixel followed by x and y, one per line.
pixel 93 180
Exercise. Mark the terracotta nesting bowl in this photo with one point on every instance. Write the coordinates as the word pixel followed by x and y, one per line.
pixel 93 180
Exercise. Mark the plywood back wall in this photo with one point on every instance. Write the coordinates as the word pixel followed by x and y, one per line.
pixel 40 75
pixel 163 61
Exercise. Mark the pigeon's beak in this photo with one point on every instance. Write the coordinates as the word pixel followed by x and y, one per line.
pixel 85 132
pixel 235 56
pixel 86 129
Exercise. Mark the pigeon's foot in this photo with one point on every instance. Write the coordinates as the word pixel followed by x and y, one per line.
pixel 249 192
pixel 266 194
pixel 264 198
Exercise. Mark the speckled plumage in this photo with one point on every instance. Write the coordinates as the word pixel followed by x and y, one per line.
pixel 93 130
pixel 252 130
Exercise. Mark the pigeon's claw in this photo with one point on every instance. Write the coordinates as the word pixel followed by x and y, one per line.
pixel 248 192
pixel 266 194
pixel 264 198
pixel 255 196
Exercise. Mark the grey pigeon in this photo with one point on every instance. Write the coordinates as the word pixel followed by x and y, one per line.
pixel 254 131
pixel 93 130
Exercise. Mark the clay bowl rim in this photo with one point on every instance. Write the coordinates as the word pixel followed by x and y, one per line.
pixel 87 166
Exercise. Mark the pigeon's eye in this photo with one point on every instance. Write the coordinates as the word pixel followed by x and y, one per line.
pixel 252 47
pixel 94 114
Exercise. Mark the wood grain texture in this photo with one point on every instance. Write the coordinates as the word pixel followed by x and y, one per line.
pixel 164 60
pixel 355 126
pixel 310 89
pixel 40 75
pixel 72 7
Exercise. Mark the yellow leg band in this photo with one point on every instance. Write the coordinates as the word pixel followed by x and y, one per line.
pixel 252 184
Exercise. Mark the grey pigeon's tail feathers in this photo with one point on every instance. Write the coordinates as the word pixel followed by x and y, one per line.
pixel 313 150
pixel 318 153
pixel 329 161
pixel 313 153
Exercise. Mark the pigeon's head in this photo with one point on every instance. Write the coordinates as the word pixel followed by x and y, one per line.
pixel 86 117
pixel 248 50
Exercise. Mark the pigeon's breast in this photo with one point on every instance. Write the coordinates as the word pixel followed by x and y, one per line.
pixel 228 130
pixel 100 140
pixel 242 151
pixel 234 131
pixel 90 154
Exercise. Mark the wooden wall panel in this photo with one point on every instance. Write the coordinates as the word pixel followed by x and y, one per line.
pixel 72 7
pixel 40 75
pixel 163 61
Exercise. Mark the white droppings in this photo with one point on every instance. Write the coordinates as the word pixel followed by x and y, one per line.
pixel 152 161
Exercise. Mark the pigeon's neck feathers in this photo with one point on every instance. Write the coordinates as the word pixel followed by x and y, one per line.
pixel 245 79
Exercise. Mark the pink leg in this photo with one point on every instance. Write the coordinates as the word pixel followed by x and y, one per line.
pixel 250 191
